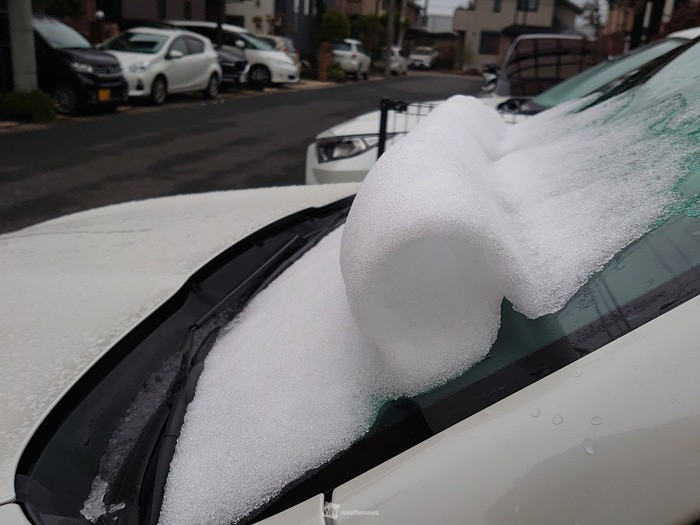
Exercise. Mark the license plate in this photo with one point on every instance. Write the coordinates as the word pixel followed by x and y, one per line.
pixel 104 95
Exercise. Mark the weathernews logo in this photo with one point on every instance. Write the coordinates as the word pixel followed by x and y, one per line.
pixel 332 511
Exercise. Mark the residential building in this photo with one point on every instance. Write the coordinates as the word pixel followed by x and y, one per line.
pixel 486 27
pixel 353 8
pixel 439 23
pixel 257 16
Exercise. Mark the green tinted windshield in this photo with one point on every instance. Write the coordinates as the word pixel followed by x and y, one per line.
pixel 598 76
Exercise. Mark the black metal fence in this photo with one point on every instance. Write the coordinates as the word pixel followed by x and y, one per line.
pixel 398 118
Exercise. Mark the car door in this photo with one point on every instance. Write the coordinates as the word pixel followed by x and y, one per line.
pixel 198 62
pixel 177 69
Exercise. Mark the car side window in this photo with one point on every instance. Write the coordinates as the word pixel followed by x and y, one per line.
pixel 179 45
pixel 361 49
pixel 194 45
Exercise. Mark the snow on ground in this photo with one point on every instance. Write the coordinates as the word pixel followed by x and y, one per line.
pixel 461 213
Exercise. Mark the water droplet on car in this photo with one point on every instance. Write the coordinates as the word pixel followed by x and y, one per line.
pixel 589 446
pixel 578 373
pixel 597 420
pixel 535 412
pixel 557 420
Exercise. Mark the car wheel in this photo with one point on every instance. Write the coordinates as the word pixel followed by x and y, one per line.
pixel 212 89
pixel 65 98
pixel 365 75
pixel 159 90
pixel 259 76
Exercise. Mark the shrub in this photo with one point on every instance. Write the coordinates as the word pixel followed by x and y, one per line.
pixel 30 106
pixel 334 26
pixel 336 73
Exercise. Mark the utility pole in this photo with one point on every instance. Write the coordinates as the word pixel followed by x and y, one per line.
pixel 22 45
pixel 389 38
pixel 220 17
pixel 402 25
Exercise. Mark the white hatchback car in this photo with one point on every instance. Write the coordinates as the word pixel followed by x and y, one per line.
pixel 161 61
pixel 350 55
pixel 267 64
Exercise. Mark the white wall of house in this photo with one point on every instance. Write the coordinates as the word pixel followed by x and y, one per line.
pixel 439 23
pixel 249 10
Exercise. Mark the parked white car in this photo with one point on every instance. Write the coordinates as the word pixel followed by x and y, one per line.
pixel 201 358
pixel 267 64
pixel 398 65
pixel 157 62
pixel 423 57
pixel 350 55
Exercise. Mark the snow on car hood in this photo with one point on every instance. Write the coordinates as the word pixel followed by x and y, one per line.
pixel 72 287
pixel 465 212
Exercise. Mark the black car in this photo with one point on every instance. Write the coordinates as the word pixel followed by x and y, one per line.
pixel 233 66
pixel 72 71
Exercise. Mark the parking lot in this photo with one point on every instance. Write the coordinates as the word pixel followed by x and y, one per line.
pixel 244 139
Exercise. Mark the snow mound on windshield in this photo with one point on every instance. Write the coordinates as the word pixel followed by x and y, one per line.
pixel 291 384
pixel 459 216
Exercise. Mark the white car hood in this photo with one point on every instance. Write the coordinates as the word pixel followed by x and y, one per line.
pixel 127 59
pixel 72 287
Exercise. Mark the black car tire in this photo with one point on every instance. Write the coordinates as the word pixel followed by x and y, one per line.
pixel 159 90
pixel 212 89
pixel 365 75
pixel 259 76
pixel 65 98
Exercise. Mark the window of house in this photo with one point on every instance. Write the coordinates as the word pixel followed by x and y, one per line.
pixel 496 6
pixel 528 5
pixel 489 42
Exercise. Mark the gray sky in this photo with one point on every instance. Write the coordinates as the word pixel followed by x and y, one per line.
pixel 447 7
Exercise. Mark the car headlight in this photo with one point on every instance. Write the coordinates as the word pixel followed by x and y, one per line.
pixel 138 67
pixel 344 147
pixel 81 67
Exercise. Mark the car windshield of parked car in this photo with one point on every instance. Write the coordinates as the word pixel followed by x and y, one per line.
pixel 598 76
pixel 137 42
pixel 60 36
pixel 342 46
pixel 253 42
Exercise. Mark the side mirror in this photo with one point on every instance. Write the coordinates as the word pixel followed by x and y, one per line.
pixel 240 44
pixel 174 54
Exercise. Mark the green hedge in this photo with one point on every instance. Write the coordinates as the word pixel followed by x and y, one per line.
pixel 30 106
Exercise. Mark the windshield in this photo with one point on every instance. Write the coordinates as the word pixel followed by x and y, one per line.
pixel 600 75
pixel 422 50
pixel 132 42
pixel 60 36
pixel 253 42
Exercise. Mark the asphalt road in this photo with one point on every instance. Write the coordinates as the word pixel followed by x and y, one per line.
pixel 239 142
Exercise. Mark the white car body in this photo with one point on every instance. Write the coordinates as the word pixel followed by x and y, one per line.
pixel 276 65
pixel 423 57
pixel 76 285
pixel 351 57
pixel 190 72
pixel 398 65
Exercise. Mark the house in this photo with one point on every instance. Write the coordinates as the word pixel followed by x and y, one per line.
pixel 352 8
pixel 257 16
pixel 486 27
